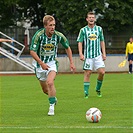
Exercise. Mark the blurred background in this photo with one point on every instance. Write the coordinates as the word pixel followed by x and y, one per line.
pixel 20 19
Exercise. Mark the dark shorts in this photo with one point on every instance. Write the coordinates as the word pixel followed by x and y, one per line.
pixel 130 57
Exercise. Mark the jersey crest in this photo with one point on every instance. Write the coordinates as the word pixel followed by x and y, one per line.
pixel 92 37
pixel 48 47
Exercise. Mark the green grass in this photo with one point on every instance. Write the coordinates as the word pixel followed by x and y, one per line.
pixel 24 107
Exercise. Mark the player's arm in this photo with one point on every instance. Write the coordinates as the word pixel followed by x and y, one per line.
pixel 5 40
pixel 35 56
pixel 68 50
pixel 69 54
pixel 80 44
pixel 126 51
pixel 103 50
pixel 102 43
pixel 81 56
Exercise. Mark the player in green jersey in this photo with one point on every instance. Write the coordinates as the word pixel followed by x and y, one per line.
pixel 94 52
pixel 43 49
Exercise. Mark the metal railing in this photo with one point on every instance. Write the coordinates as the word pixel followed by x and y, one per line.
pixel 18 48
pixel 19 51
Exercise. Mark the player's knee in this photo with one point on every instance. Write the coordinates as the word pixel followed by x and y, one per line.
pixel 102 73
pixel 88 73
pixel 50 83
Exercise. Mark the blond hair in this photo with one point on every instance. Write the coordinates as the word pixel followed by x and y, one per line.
pixel 91 13
pixel 47 18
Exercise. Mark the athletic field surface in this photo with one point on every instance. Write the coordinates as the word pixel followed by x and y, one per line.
pixel 24 107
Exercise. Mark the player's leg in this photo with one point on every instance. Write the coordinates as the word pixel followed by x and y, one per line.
pixel 87 66
pixel 101 72
pixel 130 57
pixel 41 76
pixel 130 66
pixel 44 87
pixel 51 91
pixel 46 79
pixel 100 67
pixel 87 74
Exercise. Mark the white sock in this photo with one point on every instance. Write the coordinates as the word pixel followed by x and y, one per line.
pixel 52 106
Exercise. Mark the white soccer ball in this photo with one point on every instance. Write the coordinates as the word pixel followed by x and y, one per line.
pixel 93 115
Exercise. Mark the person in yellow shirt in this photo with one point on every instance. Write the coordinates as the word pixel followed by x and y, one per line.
pixel 129 53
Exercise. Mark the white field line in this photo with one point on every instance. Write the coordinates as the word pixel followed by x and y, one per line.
pixel 16 72
pixel 65 127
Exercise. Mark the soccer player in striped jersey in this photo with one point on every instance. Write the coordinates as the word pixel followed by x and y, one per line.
pixel 94 52
pixel 43 49
pixel 129 53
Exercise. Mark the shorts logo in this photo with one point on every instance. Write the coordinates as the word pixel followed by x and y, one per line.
pixel 48 47
pixel 87 65
pixel 92 37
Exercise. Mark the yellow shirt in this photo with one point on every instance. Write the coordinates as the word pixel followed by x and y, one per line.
pixel 129 48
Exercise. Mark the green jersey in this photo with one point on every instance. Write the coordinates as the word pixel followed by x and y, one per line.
pixel 91 37
pixel 45 47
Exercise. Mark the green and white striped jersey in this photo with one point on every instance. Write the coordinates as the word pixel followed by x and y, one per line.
pixel 46 48
pixel 91 37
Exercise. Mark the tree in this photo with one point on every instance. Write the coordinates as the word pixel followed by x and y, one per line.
pixel 7 16
pixel 31 10
pixel 117 16
pixel 114 16
pixel 71 14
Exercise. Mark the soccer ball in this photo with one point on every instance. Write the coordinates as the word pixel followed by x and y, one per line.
pixel 93 115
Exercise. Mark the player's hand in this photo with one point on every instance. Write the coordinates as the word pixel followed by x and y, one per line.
pixel 44 66
pixel 104 57
pixel 126 57
pixel 72 67
pixel 81 56
pixel 11 41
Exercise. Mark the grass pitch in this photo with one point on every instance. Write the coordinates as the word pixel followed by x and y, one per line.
pixel 24 107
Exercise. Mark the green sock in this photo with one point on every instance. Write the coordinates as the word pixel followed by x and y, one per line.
pixel 86 87
pixel 99 84
pixel 52 100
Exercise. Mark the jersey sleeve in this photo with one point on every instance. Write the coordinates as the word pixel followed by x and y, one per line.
pixel 35 42
pixel 101 35
pixel 127 49
pixel 63 40
pixel 80 36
